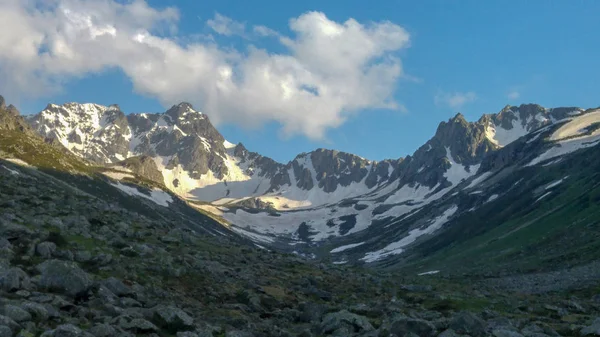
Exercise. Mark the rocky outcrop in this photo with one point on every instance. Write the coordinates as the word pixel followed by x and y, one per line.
pixel 143 166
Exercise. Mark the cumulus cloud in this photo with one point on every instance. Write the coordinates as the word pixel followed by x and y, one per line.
pixel 329 71
pixel 456 99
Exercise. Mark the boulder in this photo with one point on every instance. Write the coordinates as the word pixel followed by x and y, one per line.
pixel 64 277
pixel 173 319
pixel 344 321
pixel 402 326
pixel 14 279
pixel 467 323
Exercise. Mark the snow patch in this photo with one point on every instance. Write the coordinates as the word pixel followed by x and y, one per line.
pixel 478 180
pixel 457 173
pixel 568 146
pixel 117 175
pixel 157 196
pixel 429 273
pixel 492 198
pixel 502 137
pixel 555 183
pixel 18 162
pixel 397 247
pixel 543 196
pixel 13 172
pixel 576 126
pixel 228 145
pixel 346 247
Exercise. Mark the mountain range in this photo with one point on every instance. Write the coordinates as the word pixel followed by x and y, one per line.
pixel 116 224
pixel 327 203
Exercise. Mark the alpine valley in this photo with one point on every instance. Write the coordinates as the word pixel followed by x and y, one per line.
pixel 153 224
pixel 333 204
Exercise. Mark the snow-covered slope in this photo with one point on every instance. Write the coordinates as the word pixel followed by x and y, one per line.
pixel 323 194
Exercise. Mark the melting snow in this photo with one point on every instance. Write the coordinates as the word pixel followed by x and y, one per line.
pixel 502 137
pixel 397 247
pixel 479 179
pixel 555 183
pixel 567 146
pixel 492 198
pixel 543 196
pixel 157 196
pixel 346 247
pixel 117 175
pixel 340 262
pixel 17 161
pixel 457 173
pixel 228 145
pixel 576 126
pixel 13 172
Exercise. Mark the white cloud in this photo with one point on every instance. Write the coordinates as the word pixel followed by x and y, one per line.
pixel 226 26
pixel 330 71
pixel 514 95
pixel 456 99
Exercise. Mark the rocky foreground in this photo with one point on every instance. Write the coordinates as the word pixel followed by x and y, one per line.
pixel 72 265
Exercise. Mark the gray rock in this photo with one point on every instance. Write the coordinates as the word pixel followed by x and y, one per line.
pixel 5 244
pixel 26 333
pixel 505 333
pixel 173 319
pixel 187 334
pixel 103 330
pixel 344 320
pixel 449 333
pixel 65 277
pixel 117 287
pixel 10 323
pixel 83 256
pixel 402 326
pixel 236 333
pixel 23 293
pixel 593 329
pixel 465 322
pixel 67 330
pixel 310 312
pixel 45 249
pixel 36 310
pixel 5 331
pixel 16 313
pixel 14 279
pixel 140 325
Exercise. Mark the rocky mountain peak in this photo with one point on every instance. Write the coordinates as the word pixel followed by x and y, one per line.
pixel 180 111
pixel 240 151
pixel 10 118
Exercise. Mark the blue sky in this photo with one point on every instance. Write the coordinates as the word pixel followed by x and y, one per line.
pixel 468 56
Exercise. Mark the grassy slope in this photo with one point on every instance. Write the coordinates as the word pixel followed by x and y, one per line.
pixel 519 233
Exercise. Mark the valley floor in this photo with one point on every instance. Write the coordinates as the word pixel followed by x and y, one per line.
pixel 72 264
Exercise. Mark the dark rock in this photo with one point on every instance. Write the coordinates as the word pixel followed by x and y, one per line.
pixel 467 323
pixel 17 314
pixel 14 279
pixel 37 311
pixel 593 329
pixel 10 323
pixel 344 321
pixel 103 330
pixel 173 319
pixel 45 249
pixel 402 326
pixel 117 287
pixel 65 277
